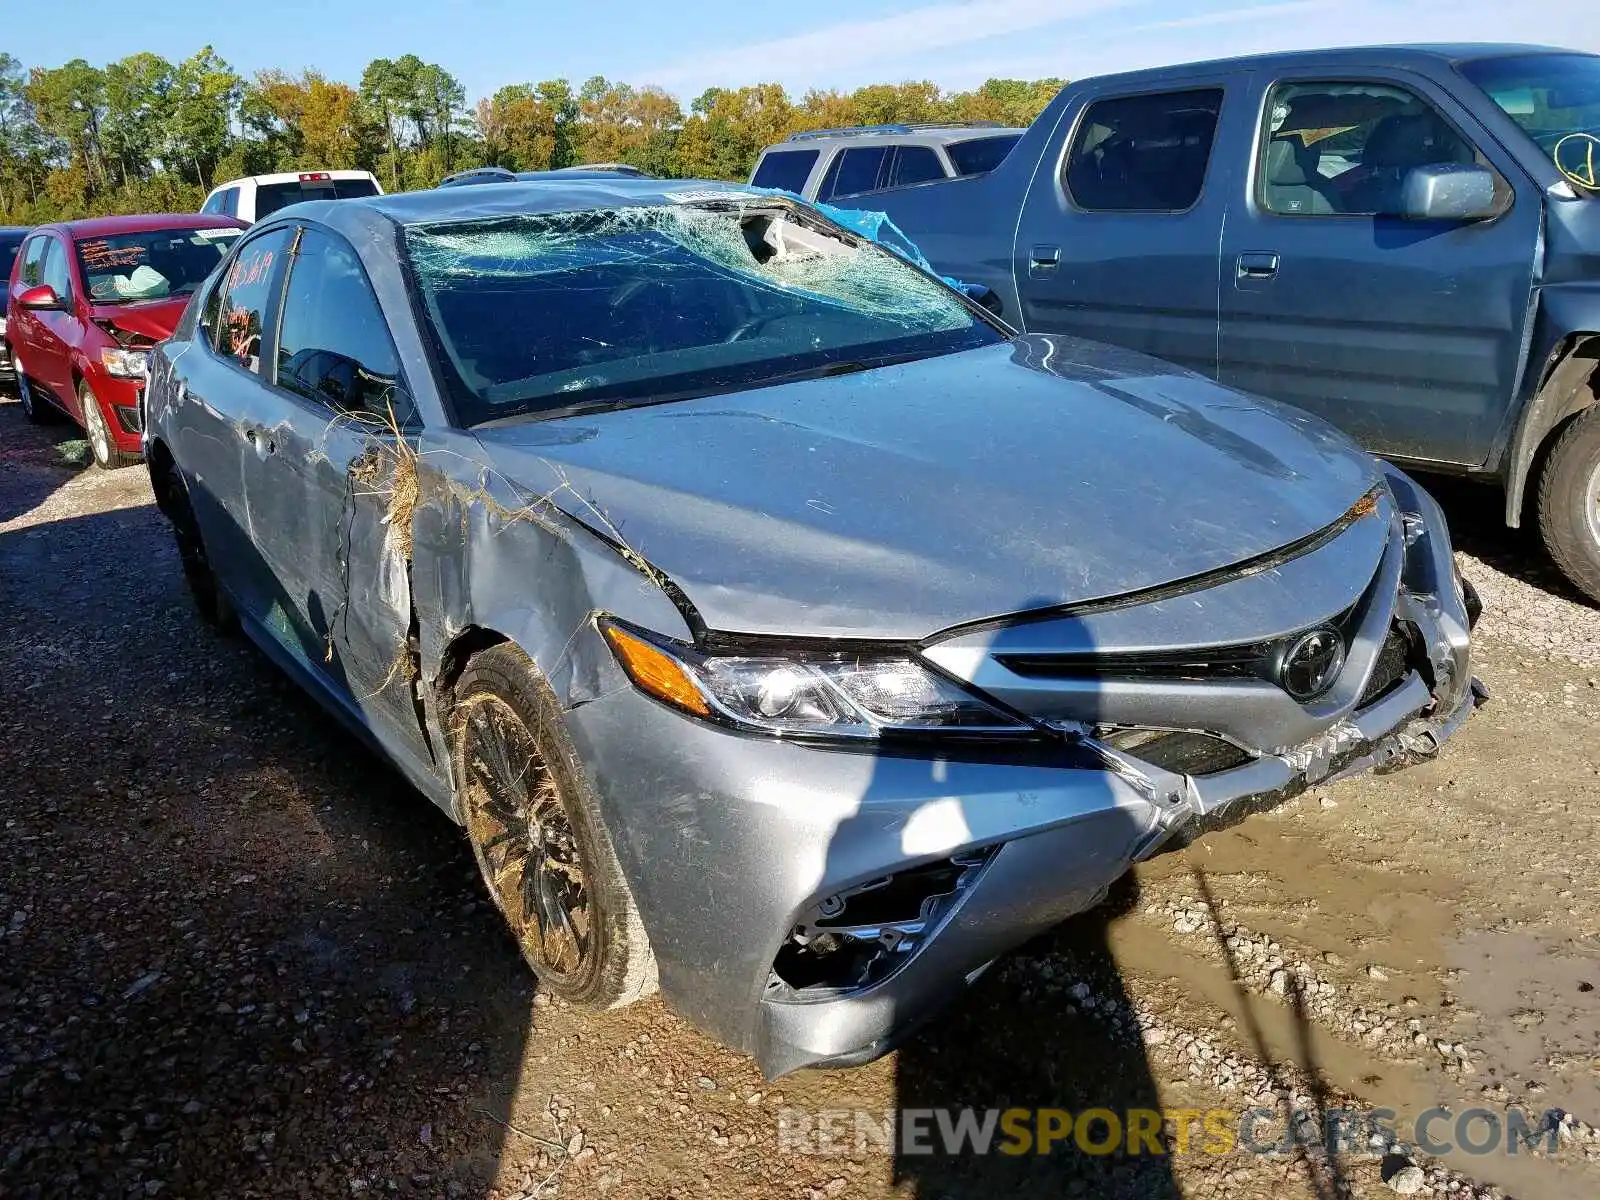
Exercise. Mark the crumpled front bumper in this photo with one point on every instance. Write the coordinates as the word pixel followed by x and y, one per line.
pixel 731 842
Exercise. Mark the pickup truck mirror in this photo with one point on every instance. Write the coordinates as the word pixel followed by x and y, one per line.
pixel 1449 192
pixel 41 297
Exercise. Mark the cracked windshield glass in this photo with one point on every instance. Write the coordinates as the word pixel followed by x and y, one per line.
pixel 559 312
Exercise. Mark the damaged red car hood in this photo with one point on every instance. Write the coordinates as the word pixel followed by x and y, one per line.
pixel 900 501
pixel 153 319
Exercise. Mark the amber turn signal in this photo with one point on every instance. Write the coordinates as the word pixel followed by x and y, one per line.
pixel 655 672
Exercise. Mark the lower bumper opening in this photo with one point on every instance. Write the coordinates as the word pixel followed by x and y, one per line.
pixel 862 935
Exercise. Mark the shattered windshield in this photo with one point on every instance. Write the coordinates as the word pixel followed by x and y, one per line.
pixel 556 313
pixel 1556 100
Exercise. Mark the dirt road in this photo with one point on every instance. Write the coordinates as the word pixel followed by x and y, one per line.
pixel 241 958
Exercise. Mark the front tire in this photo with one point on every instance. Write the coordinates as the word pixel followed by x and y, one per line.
pixel 1569 503
pixel 536 831
pixel 106 455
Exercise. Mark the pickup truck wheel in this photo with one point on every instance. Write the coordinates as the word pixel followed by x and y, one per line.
pixel 1569 503
pixel 106 455
pixel 535 827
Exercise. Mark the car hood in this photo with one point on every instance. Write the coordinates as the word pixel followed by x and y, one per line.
pixel 153 319
pixel 896 502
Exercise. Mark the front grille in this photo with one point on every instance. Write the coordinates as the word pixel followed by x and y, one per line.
pixel 1394 663
pixel 1256 660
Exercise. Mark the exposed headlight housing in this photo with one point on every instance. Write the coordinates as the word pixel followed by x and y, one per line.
pixel 125 364
pixel 817 694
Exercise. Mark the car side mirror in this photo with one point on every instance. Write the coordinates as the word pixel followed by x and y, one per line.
pixel 42 297
pixel 1450 192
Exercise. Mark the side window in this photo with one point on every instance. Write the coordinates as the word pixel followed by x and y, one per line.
pixel 230 202
pixel 56 273
pixel 1343 149
pixel 1143 153
pixel 860 169
pixel 785 169
pixel 244 298
pixel 916 164
pixel 32 271
pixel 333 342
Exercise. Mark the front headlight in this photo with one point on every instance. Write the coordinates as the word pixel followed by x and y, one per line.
pixel 826 694
pixel 125 364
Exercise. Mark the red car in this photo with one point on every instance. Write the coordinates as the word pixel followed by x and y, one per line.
pixel 87 300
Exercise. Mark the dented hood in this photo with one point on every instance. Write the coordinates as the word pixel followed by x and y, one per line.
pixel 896 502
pixel 153 319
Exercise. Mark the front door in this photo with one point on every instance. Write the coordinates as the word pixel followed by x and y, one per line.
pixel 1406 334
pixel 1118 241
pixel 55 331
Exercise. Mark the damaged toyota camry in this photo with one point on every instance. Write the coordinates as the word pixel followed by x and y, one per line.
pixel 784 631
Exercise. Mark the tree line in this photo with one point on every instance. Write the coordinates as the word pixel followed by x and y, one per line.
pixel 143 134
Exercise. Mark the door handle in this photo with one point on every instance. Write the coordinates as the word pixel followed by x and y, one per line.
pixel 1044 258
pixel 1257 264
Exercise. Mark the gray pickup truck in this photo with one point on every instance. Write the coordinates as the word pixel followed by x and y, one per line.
pixel 1402 240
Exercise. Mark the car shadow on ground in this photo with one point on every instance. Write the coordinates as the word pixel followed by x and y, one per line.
pixel 1047 1029
pixel 243 957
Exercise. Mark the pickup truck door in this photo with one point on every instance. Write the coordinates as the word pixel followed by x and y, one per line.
pixel 1119 229
pixel 1406 334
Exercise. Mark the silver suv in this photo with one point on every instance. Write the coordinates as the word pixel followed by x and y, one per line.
pixel 825 164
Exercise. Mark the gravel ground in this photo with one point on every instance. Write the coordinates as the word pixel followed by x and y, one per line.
pixel 238 957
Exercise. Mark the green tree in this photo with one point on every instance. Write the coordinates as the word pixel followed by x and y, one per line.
pixel 205 95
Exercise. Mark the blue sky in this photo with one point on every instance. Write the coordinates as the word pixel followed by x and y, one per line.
pixel 685 45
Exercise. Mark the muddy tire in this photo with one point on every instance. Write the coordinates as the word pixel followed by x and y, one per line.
pixel 1569 503
pixel 536 831
pixel 106 455
pixel 35 407
pixel 210 600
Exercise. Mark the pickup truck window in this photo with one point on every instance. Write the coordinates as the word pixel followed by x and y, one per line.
pixel 977 156
pixel 916 164
pixel 1556 100
pixel 862 169
pixel 1344 148
pixel 787 170
pixel 1143 153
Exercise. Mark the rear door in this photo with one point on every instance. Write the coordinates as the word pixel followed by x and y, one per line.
pixel 1406 334
pixel 1118 236
pixel 217 379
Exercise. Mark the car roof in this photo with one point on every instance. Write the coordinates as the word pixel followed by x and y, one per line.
pixel 1399 55
pixel 144 223
pixel 903 135
pixel 551 194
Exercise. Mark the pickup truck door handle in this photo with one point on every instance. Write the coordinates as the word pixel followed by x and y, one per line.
pixel 1044 258
pixel 1257 264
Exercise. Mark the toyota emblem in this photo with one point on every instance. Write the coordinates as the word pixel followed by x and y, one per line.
pixel 1312 664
